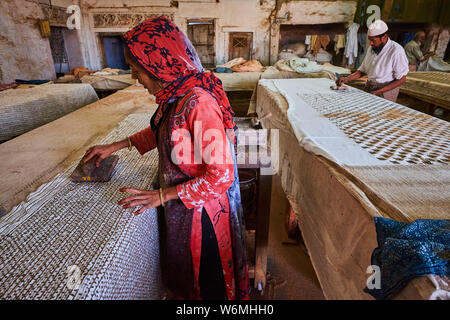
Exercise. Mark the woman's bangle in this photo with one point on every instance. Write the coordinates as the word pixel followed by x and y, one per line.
pixel 161 197
pixel 130 145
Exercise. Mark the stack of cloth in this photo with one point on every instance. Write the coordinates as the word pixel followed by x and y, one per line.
pixel 434 63
pixel 304 65
pixel 240 65
pixel 26 84
pixel 110 72
pixel 79 72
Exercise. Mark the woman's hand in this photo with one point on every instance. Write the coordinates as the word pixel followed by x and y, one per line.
pixel 146 198
pixel 101 152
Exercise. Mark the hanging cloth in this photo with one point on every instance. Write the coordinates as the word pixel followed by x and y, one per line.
pixel 339 42
pixel 351 48
pixel 322 41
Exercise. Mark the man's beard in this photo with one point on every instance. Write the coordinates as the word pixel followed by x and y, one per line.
pixel 378 49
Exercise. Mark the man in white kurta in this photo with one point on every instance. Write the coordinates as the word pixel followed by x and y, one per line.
pixel 385 64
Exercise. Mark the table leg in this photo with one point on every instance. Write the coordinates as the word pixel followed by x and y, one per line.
pixel 262 229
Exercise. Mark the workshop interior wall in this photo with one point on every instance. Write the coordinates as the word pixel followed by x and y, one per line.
pixel 24 53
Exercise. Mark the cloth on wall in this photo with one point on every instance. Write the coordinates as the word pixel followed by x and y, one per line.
pixel 443 41
pixel 339 42
pixel 308 41
pixel 322 42
pixel 351 48
pixel 362 49
pixel 313 42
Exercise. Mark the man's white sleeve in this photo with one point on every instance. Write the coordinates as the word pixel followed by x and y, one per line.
pixel 400 64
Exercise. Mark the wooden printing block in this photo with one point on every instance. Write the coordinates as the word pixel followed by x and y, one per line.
pixel 88 172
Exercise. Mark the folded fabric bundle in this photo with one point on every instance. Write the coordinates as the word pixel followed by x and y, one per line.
pixel 406 251
pixel 223 70
pixel 107 72
pixel 303 65
pixel 230 64
pixel 79 72
pixel 31 81
pixel 287 55
pixel 249 66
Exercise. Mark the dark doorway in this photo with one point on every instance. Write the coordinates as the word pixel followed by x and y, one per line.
pixel 58 48
pixel 114 56
pixel 240 45
pixel 202 35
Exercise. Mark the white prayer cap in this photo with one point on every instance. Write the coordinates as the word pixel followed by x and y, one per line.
pixel 378 27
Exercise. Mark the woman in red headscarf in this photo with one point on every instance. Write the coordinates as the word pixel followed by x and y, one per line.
pixel 204 252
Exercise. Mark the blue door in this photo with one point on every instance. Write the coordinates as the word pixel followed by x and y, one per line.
pixel 115 58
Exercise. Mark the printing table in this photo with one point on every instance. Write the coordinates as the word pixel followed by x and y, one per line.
pixel 347 157
pixel 63 240
pixel 430 87
pixel 22 110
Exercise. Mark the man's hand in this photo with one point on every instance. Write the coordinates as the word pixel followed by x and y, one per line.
pixel 341 81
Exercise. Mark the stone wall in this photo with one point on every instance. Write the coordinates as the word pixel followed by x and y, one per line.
pixel 24 54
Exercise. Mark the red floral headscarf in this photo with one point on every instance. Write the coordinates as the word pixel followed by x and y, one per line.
pixel 162 49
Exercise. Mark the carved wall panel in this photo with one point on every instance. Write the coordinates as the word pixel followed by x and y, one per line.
pixel 123 20
pixel 56 15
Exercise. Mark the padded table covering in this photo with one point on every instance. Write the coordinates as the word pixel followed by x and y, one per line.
pixel 22 110
pixel 67 225
pixel 347 157
pixel 431 87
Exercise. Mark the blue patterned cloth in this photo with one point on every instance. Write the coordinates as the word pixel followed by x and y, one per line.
pixel 406 251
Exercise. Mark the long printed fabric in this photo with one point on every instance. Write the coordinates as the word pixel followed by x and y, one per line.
pixel 201 107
